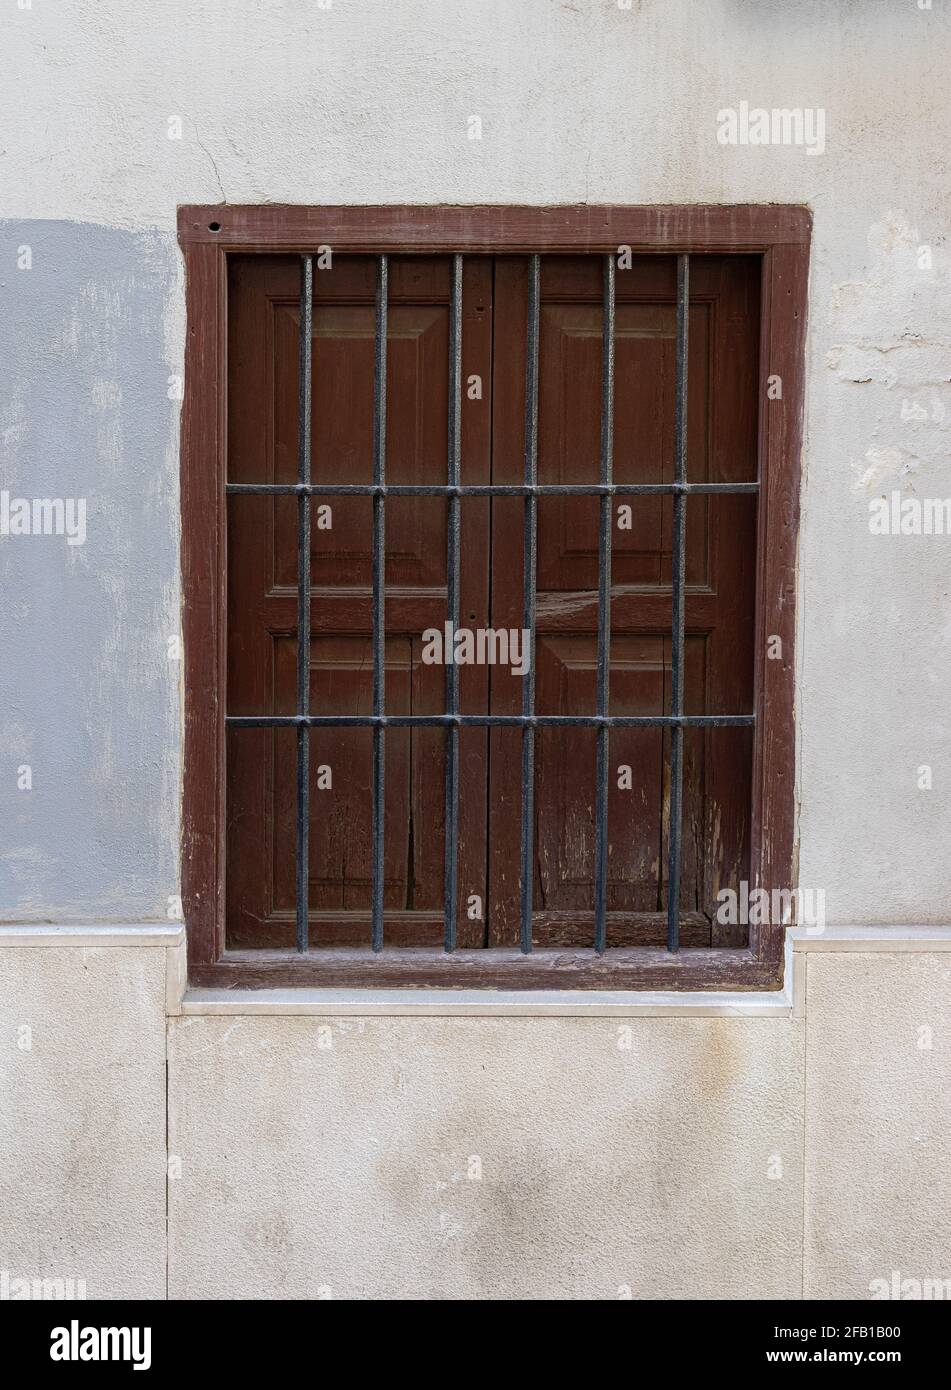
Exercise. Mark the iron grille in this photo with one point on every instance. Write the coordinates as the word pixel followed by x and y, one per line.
pixel 453 490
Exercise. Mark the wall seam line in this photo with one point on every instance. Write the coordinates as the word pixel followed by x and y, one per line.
pixel 167 1156
pixel 805 1147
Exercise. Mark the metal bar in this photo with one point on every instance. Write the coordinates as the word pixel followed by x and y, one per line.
pixel 678 578
pixel 604 610
pixel 305 375
pixel 488 489
pixel 450 868
pixel 379 601
pixel 528 616
pixel 538 721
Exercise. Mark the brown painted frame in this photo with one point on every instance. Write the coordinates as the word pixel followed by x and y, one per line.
pixel 781 235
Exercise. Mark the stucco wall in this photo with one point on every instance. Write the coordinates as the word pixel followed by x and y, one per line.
pixel 473 1158
pixel 82 1118
pixel 802 1153
pixel 369 101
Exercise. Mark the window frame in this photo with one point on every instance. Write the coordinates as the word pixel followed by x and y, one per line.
pixel 207 235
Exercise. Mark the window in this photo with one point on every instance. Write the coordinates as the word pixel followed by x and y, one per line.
pixel 473 770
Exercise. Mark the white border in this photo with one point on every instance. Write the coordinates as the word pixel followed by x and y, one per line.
pixel 80 934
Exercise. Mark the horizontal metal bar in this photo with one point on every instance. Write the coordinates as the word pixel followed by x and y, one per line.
pixel 485 489
pixel 544 721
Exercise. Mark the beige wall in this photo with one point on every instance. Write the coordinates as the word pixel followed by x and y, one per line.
pixel 82 1116
pixel 719 1152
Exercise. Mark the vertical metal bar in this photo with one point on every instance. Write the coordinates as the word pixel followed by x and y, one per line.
pixel 528 622
pixel 379 601
pixel 604 608
pixel 678 575
pixel 450 870
pixel 305 373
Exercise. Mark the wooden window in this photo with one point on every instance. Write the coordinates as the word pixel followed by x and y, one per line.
pixel 746 315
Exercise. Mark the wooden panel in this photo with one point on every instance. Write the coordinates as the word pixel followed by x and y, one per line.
pixel 340 846
pixel 569 436
pixel 566 673
pixel 263 611
pixel 569 394
pixel 719 609
pixel 487 229
pixel 641 967
pixel 418 380
pixel 774 850
pixel 203 606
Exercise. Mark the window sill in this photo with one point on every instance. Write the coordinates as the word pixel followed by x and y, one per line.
pixel 481 1003
pixel 869 939
pixel 290 1000
pixel 547 969
pixel 80 934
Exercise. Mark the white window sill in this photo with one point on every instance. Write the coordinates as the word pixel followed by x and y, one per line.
pixel 483 1003
pixel 865 940
pixel 82 935
pixel 422 1003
